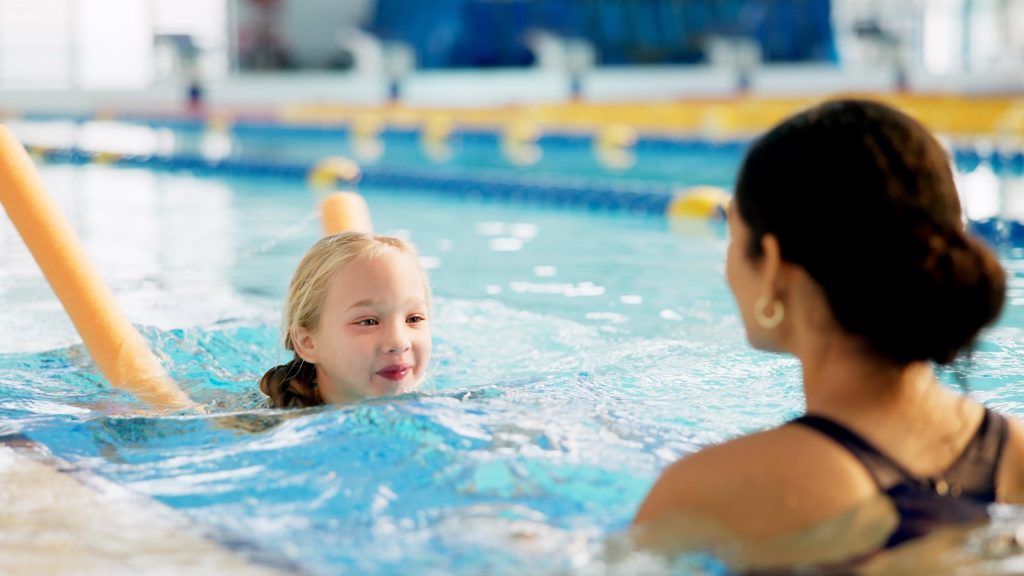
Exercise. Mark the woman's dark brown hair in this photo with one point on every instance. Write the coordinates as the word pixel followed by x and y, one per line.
pixel 862 197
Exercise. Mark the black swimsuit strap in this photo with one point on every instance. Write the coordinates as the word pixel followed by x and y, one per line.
pixel 974 471
pixel 978 465
pixel 883 470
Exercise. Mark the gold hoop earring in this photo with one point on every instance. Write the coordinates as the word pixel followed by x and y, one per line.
pixel 765 321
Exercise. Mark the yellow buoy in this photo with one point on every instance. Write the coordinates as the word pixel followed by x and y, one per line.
pixel 38 152
pixel 334 170
pixel 106 158
pixel 367 126
pixel 437 129
pixel 613 146
pixel 365 137
pixel 219 123
pixel 345 212
pixel 519 143
pixel 699 202
pixel 616 136
pixel 435 136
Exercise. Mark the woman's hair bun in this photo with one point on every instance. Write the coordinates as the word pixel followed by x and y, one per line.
pixel 958 289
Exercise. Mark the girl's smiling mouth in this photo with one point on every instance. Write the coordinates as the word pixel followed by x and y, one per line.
pixel 395 371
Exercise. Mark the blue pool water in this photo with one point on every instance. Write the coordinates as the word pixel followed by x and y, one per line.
pixel 576 354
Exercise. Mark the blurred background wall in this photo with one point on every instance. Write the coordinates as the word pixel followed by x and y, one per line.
pixel 132 44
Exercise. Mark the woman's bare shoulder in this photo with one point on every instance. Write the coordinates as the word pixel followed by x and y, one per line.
pixel 763 484
pixel 1010 481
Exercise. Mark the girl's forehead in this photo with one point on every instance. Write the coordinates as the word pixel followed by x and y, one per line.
pixel 371 273
pixel 384 257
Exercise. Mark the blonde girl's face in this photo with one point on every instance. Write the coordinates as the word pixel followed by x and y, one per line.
pixel 374 333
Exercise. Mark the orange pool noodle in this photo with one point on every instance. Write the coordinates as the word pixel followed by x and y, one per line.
pixel 119 351
pixel 343 212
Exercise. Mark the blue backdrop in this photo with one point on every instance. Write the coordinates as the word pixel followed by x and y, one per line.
pixel 485 33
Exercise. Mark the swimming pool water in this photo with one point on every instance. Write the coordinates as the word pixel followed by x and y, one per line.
pixel 576 354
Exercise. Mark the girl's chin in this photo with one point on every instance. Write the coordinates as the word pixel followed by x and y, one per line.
pixel 385 387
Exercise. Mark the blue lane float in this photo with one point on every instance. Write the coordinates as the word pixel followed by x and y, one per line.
pixel 966 156
pixel 650 198
pixel 632 197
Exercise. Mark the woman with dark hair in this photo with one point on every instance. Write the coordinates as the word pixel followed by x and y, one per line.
pixel 848 251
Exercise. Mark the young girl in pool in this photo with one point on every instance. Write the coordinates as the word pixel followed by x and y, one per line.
pixel 357 319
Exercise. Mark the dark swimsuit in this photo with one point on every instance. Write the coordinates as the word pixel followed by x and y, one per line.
pixel 959 495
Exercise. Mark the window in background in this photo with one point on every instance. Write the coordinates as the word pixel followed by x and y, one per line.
pixel 114 44
pixel 104 44
pixel 199 26
pixel 36 44
pixel 943 36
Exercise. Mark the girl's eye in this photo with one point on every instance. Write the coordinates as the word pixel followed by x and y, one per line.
pixel 416 318
pixel 368 322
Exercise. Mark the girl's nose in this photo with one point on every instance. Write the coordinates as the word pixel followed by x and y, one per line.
pixel 397 340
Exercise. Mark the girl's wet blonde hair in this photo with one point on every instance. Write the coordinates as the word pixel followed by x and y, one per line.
pixel 293 385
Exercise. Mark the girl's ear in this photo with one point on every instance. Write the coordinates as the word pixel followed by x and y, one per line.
pixel 302 339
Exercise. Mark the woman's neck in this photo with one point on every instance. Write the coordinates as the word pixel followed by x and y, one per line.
pixel 902 409
pixel 842 377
